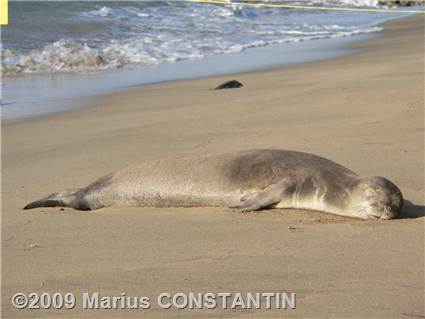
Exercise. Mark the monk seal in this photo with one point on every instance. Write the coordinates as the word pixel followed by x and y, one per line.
pixel 246 180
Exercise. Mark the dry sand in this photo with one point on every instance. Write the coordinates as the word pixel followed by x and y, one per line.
pixel 364 110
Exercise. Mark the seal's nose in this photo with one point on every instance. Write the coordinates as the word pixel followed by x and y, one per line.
pixel 389 213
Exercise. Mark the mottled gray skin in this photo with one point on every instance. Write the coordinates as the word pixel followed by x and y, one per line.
pixel 247 180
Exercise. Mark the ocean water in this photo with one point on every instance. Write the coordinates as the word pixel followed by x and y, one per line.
pixel 57 55
pixel 87 36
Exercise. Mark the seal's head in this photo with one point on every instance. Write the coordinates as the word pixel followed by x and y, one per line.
pixel 376 198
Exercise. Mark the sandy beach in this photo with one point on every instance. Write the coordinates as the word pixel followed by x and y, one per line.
pixel 364 110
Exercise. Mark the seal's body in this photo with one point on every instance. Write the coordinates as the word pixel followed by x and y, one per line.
pixel 247 180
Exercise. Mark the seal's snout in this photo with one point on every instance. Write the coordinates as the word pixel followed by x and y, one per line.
pixel 383 198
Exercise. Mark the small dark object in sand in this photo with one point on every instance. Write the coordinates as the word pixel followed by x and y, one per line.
pixel 229 85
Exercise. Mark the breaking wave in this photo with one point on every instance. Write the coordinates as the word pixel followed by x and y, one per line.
pixel 89 37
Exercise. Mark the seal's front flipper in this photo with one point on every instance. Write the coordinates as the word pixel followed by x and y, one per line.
pixel 265 198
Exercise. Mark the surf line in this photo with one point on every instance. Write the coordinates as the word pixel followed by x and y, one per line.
pixel 270 5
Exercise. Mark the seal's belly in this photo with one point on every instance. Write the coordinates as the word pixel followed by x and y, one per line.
pixel 310 204
pixel 309 194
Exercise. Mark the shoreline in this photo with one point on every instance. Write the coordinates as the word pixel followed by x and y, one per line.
pixel 74 91
pixel 46 94
pixel 364 110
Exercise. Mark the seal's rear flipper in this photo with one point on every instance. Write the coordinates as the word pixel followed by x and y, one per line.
pixel 69 198
pixel 44 203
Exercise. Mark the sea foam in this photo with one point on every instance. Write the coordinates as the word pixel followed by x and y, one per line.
pixel 148 33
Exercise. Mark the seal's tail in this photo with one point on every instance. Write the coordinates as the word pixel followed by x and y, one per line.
pixel 68 198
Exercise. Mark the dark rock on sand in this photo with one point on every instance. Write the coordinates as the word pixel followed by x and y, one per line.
pixel 402 3
pixel 229 85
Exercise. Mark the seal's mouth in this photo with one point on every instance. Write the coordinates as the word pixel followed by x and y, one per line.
pixel 385 217
pixel 367 212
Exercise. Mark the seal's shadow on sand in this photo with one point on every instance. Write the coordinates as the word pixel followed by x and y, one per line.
pixel 411 210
